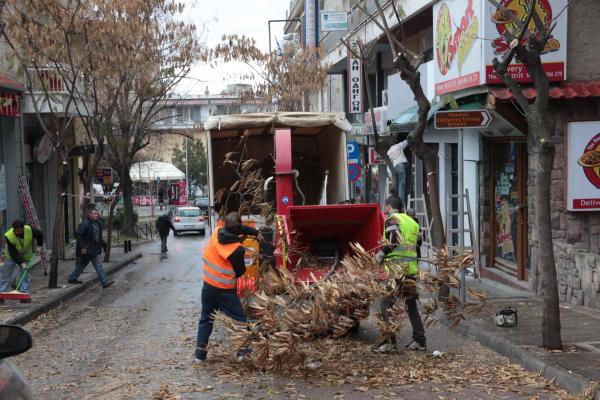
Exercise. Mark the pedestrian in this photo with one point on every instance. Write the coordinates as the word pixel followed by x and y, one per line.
pixel 161 198
pixel 18 252
pixel 223 264
pixel 89 247
pixel 400 263
pixel 164 226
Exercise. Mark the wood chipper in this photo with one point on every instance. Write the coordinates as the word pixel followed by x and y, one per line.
pixel 304 162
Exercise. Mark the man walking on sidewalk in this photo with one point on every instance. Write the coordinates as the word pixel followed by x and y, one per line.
pixel 89 247
pixel 18 251
pixel 400 262
pixel 223 264
pixel 164 226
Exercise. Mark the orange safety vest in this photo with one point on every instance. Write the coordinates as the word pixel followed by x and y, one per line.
pixel 218 271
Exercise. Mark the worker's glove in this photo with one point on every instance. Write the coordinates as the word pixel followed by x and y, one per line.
pixel 39 249
pixel 24 266
pixel 379 257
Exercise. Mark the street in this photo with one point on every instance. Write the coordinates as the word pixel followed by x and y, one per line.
pixel 136 339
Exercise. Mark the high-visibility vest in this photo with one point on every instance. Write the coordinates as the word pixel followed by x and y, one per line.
pixel 26 249
pixel 405 252
pixel 218 271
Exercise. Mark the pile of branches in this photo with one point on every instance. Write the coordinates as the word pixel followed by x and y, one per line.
pixel 286 313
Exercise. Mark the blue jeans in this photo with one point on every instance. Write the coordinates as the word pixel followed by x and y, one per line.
pixel 6 275
pixel 401 170
pixel 214 299
pixel 82 262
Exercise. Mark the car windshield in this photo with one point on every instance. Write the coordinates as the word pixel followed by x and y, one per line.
pixel 188 212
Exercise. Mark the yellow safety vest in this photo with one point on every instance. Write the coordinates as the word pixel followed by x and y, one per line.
pixel 26 249
pixel 405 253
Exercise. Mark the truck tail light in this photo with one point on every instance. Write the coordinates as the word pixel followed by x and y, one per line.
pixel 177 220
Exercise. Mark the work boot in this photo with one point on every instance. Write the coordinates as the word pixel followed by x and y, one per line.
pixel 385 348
pixel 107 284
pixel 201 353
pixel 75 281
pixel 416 346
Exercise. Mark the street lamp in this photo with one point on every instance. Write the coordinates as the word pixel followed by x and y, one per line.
pixel 280 20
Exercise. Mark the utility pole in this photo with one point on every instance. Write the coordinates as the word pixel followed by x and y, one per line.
pixel 187 181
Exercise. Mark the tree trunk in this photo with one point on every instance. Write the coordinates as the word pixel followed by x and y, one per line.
pixel 543 153
pixel 127 189
pixel 111 217
pixel 57 237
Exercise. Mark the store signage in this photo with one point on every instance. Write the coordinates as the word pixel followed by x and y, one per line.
pixel 334 21
pixel 104 175
pixel 463 59
pixel 353 152
pixel 555 54
pixel 43 149
pixel 374 157
pixel 355 79
pixel 353 172
pixel 457 48
pixel 9 104
pixel 462 119
pixel 310 23
pixel 380 121
pixel 583 166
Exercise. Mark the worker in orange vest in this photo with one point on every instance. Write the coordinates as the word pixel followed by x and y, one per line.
pixel 223 264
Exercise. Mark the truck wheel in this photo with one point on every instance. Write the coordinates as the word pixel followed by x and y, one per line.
pixel 202 232
pixel 175 233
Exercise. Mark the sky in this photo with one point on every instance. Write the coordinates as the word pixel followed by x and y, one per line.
pixel 221 17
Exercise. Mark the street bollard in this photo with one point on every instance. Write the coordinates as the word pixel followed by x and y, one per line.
pixel 129 245
pixel 125 246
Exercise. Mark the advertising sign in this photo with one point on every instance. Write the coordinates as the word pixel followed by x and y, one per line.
pixel 353 152
pixel 310 23
pixel 334 21
pixel 462 119
pixel 380 121
pixel 583 166
pixel 374 157
pixel 457 48
pixel 496 24
pixel 355 85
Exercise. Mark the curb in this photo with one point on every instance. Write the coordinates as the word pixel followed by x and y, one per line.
pixel 68 294
pixel 562 377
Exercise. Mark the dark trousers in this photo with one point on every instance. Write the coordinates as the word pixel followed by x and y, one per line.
pixel 163 244
pixel 410 301
pixel 214 299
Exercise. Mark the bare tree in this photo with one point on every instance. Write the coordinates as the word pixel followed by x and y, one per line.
pixel 527 43
pixel 289 75
pixel 407 63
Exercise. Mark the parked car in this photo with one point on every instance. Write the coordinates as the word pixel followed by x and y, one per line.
pixel 14 340
pixel 188 219
pixel 202 204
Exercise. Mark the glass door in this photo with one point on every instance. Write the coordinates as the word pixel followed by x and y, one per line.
pixel 509 207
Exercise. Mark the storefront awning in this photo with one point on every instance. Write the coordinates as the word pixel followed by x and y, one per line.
pixel 565 90
pixel 406 121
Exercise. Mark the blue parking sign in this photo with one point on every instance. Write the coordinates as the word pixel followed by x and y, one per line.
pixel 353 153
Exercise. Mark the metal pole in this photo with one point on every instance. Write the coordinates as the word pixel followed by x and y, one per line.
pixel 187 181
pixel 461 214
pixel 269 24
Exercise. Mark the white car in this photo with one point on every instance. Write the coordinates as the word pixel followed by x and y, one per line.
pixel 188 219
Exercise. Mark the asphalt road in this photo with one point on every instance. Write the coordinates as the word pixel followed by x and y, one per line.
pixel 136 340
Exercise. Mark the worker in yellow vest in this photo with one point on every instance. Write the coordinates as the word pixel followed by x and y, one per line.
pixel 223 264
pixel 18 251
pixel 399 258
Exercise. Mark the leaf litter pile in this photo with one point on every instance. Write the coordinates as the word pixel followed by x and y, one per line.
pixel 300 331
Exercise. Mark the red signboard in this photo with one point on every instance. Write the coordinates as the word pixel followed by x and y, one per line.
pixel 462 119
pixel 9 104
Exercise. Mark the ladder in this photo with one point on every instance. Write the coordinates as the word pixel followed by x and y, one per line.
pixel 455 227
pixel 418 204
pixel 25 195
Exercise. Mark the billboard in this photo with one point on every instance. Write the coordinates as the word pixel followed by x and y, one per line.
pixel 334 21
pixel 355 82
pixel 457 27
pixel 469 34
pixel 554 58
pixel 583 166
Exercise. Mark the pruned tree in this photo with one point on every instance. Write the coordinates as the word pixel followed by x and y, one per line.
pixel 527 41
pixel 407 63
pixel 152 52
pixel 43 37
pixel 288 76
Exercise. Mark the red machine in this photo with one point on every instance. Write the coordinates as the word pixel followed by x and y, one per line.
pixel 324 230
pixel 177 193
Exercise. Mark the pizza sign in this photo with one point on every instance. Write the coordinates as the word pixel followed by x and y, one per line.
pixel 583 185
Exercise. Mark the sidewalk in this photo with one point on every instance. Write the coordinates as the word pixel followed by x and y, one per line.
pixel 44 299
pixel 575 368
